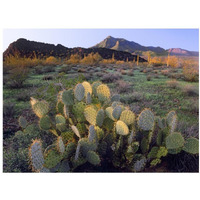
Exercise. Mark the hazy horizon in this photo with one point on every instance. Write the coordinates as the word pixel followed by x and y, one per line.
pixel 187 39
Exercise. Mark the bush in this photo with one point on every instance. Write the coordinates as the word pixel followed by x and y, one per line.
pixel 18 76
pixel 48 78
pixel 132 97
pixel 52 61
pixel 149 77
pixel 191 72
pixel 8 109
pixel 110 77
pixel 172 84
pixel 190 90
pixel 91 59
pixel 123 86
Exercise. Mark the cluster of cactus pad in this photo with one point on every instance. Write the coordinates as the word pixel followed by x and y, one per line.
pixel 91 126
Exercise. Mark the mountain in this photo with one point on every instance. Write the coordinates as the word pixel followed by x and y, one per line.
pixel 25 48
pixel 182 52
pixel 121 44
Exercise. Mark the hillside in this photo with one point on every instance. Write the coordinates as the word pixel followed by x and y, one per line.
pixel 182 52
pixel 26 48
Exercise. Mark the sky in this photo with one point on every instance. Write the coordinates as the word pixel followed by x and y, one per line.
pixel 166 38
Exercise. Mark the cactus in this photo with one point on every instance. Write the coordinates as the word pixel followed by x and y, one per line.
pixel 87 87
pixel 83 132
pixel 90 114
pixel 117 112
pixel 60 145
pixel 88 98
pixel 45 123
pixel 146 120
pixel 40 108
pixel 100 118
pixel 68 97
pixel 93 158
pixel 22 122
pixel 121 128
pixel 128 117
pixel 174 141
pixel 36 155
pixel 79 92
pixel 75 130
pixel 191 146
pixel 60 119
pixel 103 92
pixel 94 87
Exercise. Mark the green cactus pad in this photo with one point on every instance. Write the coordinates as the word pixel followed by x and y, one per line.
pixel 128 117
pixel 155 162
pixel 99 133
pixel 64 167
pixel 60 145
pixel 81 128
pixel 160 123
pixel 41 108
pixel 36 155
pixel 92 133
pixel 45 123
pixel 59 107
pixel 174 141
pixel 52 158
pixel 146 120
pixel 131 137
pixel 77 152
pixel 153 153
pixel 78 111
pixel 144 145
pixel 100 118
pixel 87 146
pixel 88 98
pixel 103 92
pixel 169 117
pixel 90 115
pixel 122 128
pixel 93 158
pixel 109 111
pixel 80 161
pixel 175 151
pixel 69 150
pixel 88 88
pixel 79 92
pixel 117 112
pixel 94 87
pixel 162 152
pixel 60 119
pixel 135 146
pixel 68 97
pixel 191 146
pixel 61 127
pixel 102 148
pixel 108 123
pixel 115 97
pixel 67 136
pixel 22 122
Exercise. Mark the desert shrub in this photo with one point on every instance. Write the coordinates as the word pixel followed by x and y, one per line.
pixel 47 69
pixel 91 59
pixel 65 68
pixel 52 61
pixel 172 84
pixel 18 76
pixel 191 72
pixel 123 72
pixel 123 86
pixel 165 72
pixel 110 77
pixel 74 59
pixel 8 109
pixel 147 70
pixel 99 74
pixel 149 77
pixel 190 90
pixel 82 70
pixel 23 96
pixel 48 77
pixel 130 72
pixel 39 69
pixel 132 97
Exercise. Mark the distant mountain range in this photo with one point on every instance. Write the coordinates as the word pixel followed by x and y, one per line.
pixel 121 48
pixel 121 44
pixel 26 48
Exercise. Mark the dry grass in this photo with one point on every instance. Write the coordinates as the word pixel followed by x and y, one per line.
pixel 172 83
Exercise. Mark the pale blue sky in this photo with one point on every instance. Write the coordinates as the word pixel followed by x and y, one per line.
pixel 166 38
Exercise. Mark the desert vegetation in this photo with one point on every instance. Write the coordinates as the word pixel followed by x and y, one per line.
pixel 89 114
